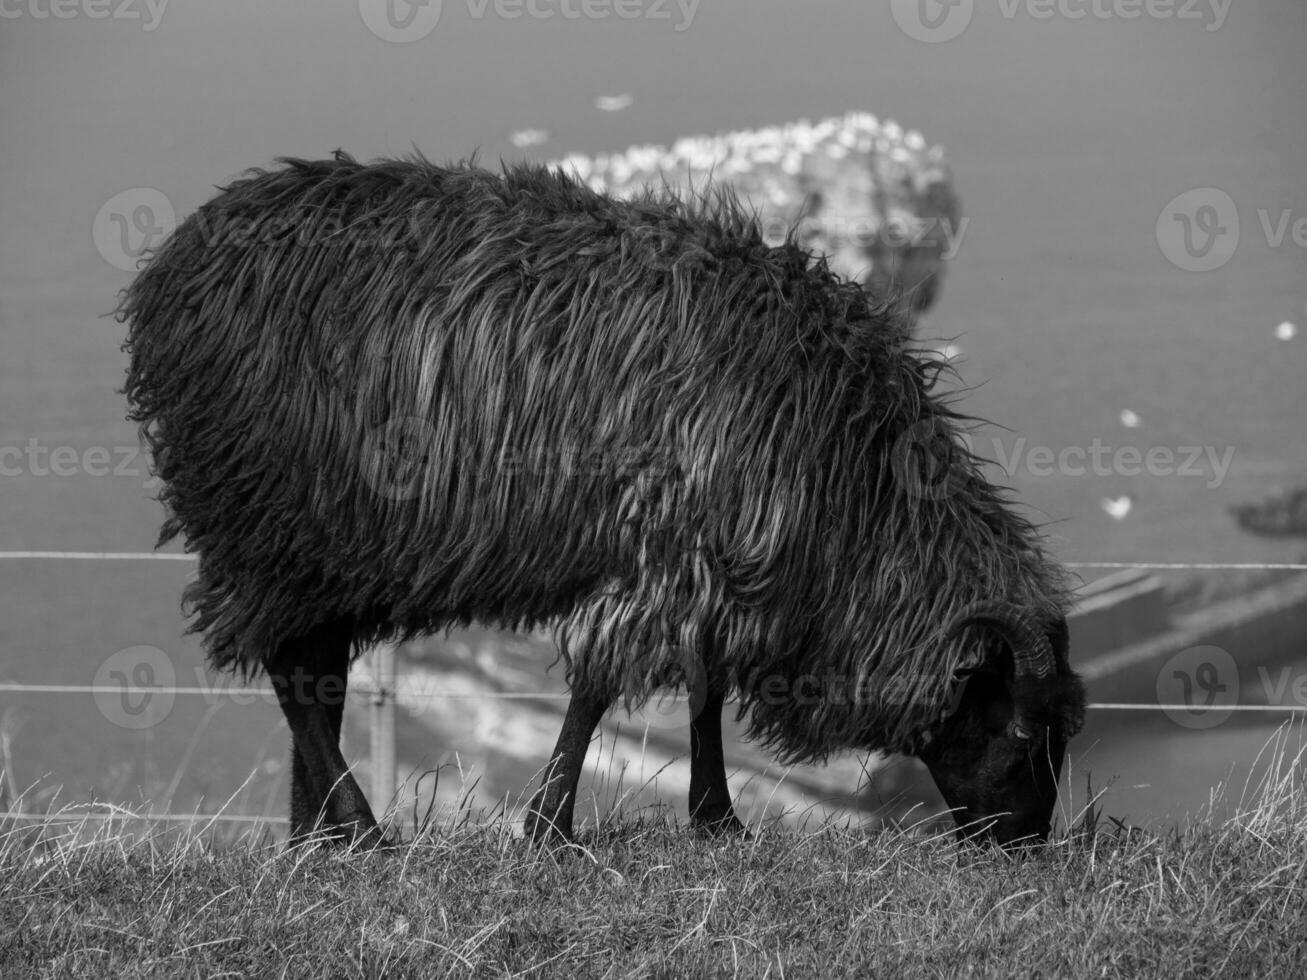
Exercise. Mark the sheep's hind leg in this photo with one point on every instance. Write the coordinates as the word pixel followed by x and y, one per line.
pixel 309 675
pixel 307 803
pixel 710 796
pixel 549 815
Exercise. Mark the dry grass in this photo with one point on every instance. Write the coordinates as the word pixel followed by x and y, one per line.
pixel 644 898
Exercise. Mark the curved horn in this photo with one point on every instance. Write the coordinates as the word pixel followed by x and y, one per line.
pixel 1032 651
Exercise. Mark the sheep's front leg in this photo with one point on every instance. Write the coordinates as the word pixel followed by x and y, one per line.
pixel 549 816
pixel 710 796
pixel 309 675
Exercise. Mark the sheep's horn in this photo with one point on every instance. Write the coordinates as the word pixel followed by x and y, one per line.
pixel 1032 651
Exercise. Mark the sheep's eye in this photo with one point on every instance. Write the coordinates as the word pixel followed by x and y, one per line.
pixel 1026 733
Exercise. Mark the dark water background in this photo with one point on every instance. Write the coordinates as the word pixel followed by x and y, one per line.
pixel 1068 138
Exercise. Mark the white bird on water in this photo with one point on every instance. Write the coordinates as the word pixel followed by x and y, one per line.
pixel 615 103
pixel 522 138
pixel 1118 507
pixel 1129 419
pixel 1286 331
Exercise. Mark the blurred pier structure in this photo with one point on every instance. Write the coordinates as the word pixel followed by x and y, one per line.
pixel 1124 631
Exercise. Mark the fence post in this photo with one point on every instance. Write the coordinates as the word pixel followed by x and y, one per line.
pixel 383 726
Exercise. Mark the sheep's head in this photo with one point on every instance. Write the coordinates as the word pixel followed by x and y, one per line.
pixel 998 757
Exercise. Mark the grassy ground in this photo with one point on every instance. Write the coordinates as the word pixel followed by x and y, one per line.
pixel 644 899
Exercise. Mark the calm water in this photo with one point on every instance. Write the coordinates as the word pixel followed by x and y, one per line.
pixel 1068 139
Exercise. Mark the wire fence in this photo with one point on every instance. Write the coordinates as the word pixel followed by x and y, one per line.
pixel 385 694
pixel 1142 565
pixel 417 696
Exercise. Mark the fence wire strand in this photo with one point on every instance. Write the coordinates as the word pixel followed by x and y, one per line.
pixel 1144 565
pixel 402 696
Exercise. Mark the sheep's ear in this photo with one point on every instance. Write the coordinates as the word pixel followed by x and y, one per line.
pixel 1071 689
pixel 1060 637
pixel 962 675
pixel 980 661
pixel 1071 698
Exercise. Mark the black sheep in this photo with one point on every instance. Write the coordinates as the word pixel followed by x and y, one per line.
pixel 388 398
